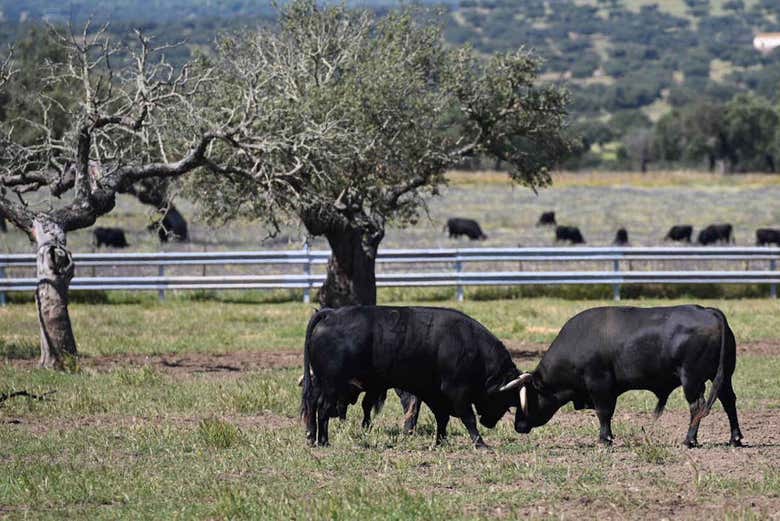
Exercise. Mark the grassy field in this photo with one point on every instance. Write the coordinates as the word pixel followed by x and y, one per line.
pixel 188 409
pixel 598 202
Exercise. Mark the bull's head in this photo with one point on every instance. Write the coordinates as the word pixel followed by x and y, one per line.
pixel 535 408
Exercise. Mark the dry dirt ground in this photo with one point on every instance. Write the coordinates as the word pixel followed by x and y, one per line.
pixel 648 472
pixel 233 363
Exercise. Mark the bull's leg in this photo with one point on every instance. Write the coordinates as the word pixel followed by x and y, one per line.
pixel 366 404
pixel 411 406
pixel 694 393
pixel 470 421
pixel 311 427
pixel 604 398
pixel 729 399
pixel 370 400
pixel 323 418
pixel 442 419
pixel 605 408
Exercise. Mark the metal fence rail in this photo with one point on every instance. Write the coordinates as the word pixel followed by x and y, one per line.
pixel 456 258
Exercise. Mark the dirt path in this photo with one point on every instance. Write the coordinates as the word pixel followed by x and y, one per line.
pixel 222 365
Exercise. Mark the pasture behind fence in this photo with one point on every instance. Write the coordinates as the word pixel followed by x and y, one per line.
pixel 444 267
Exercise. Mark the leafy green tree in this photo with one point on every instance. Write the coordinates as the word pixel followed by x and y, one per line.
pixel 357 118
pixel 693 133
pixel 751 124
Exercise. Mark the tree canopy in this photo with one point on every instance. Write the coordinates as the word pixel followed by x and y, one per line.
pixel 358 117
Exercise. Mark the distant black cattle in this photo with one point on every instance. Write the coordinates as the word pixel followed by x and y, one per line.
pixel 3 226
pixel 716 233
pixel 621 238
pixel 173 225
pixel 546 218
pixel 680 232
pixel 766 236
pixel 458 226
pixel 114 237
pixel 569 233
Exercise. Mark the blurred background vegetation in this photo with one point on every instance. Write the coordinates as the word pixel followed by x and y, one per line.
pixel 654 85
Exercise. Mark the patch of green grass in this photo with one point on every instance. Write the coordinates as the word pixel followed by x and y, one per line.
pixel 647 449
pixel 183 326
pixel 218 434
pixel 21 349
pixel 135 442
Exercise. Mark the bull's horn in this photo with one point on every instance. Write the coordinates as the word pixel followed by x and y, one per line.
pixel 524 400
pixel 356 383
pixel 517 382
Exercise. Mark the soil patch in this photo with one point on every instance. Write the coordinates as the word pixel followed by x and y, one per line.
pixel 225 365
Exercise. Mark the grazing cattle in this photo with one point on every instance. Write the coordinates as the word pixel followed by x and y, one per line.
pixel 766 236
pixel 546 218
pixel 680 232
pixel 603 352
pixel 114 237
pixel 569 233
pixel 445 358
pixel 621 238
pixel 173 225
pixel 716 233
pixel 458 226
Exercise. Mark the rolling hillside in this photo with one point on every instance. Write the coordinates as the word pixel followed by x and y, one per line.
pixel 630 59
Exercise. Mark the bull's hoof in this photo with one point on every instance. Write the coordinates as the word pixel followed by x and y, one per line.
pixel 692 444
pixel 607 442
pixel 736 442
pixel 481 445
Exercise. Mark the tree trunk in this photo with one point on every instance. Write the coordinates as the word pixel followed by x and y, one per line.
pixel 351 278
pixel 54 272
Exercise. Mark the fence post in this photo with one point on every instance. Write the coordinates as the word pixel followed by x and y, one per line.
pixel 2 293
pixel 616 286
pixel 307 272
pixel 161 273
pixel 772 286
pixel 458 270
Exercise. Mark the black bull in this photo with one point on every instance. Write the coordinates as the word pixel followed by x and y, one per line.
pixel 603 352
pixel 445 358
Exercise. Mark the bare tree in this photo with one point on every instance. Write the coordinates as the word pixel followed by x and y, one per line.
pixel 357 120
pixel 135 120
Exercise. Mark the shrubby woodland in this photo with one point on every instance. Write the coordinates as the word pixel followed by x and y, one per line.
pixel 638 71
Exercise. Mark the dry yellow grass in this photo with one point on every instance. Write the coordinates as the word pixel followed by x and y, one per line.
pixel 653 179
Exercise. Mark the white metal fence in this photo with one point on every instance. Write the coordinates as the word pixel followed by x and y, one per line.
pixel 452 269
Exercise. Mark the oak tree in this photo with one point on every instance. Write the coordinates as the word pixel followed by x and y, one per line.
pixel 357 119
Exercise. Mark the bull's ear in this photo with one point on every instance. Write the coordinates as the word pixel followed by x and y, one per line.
pixel 521 380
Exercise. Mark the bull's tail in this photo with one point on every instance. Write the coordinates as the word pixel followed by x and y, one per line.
pixel 720 374
pixel 308 394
